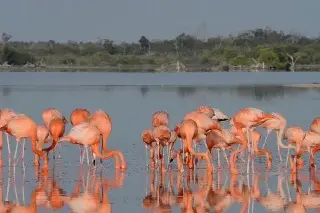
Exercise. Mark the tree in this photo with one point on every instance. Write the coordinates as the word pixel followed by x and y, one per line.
pixel 145 44
pixel 292 61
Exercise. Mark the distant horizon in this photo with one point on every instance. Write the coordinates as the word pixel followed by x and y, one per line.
pixel 156 39
pixel 127 20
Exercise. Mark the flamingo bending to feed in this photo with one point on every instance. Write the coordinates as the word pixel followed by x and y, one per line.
pixel 57 128
pixel 43 137
pixel 89 135
pixel 148 140
pixel 221 139
pixel 103 122
pixel 77 116
pixel 294 136
pixel 164 137
pixel 22 126
pixel 248 118
pixel 160 118
pixel 278 124
pixel 188 131
pixel 5 116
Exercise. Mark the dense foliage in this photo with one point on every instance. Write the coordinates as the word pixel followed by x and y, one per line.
pixel 252 48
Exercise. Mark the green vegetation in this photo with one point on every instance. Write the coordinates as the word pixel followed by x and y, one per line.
pixel 259 49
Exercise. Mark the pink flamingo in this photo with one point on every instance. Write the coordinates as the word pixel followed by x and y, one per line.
pixel 5 116
pixel 88 135
pixel 278 124
pixel 22 126
pixel 248 118
pixel 49 115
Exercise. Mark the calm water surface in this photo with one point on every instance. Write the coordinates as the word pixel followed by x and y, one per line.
pixel 130 99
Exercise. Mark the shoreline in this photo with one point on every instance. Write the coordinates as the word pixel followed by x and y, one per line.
pixel 145 68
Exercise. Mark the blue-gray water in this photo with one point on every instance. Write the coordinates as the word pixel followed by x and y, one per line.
pixel 130 100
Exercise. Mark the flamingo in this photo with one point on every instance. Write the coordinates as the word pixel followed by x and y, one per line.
pixel 89 135
pixel 221 139
pixel 56 129
pixel 188 131
pixel 5 116
pixel 248 118
pixel 103 122
pixel 278 124
pixel 43 137
pixel 148 139
pixel 162 135
pixel 50 114
pixel 294 136
pixel 78 116
pixel 22 126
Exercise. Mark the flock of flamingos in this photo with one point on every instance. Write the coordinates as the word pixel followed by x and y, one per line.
pixel 203 124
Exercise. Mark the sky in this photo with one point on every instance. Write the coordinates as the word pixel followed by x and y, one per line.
pixel 128 20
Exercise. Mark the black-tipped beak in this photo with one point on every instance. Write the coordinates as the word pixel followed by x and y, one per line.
pixel 171 159
pixel 224 119
pixel 94 162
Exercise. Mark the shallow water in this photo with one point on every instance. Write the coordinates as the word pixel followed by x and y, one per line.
pixel 130 103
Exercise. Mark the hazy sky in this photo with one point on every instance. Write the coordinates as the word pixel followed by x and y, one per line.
pixel 127 20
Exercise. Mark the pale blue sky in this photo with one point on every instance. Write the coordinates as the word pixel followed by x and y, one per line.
pixel 127 20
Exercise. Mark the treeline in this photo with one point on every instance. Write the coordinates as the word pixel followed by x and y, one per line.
pixel 258 49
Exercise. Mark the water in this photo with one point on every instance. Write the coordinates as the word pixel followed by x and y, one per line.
pixel 130 100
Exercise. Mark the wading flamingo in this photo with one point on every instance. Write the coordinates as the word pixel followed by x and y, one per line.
pixel 50 114
pixel 248 118
pixel 278 124
pixel 43 137
pixel 221 139
pixel 56 130
pixel 162 135
pixel 5 116
pixel 103 122
pixel 89 135
pixel 160 118
pixel 188 131
pixel 148 140
pixel 78 116
pixel 294 136
pixel 22 126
